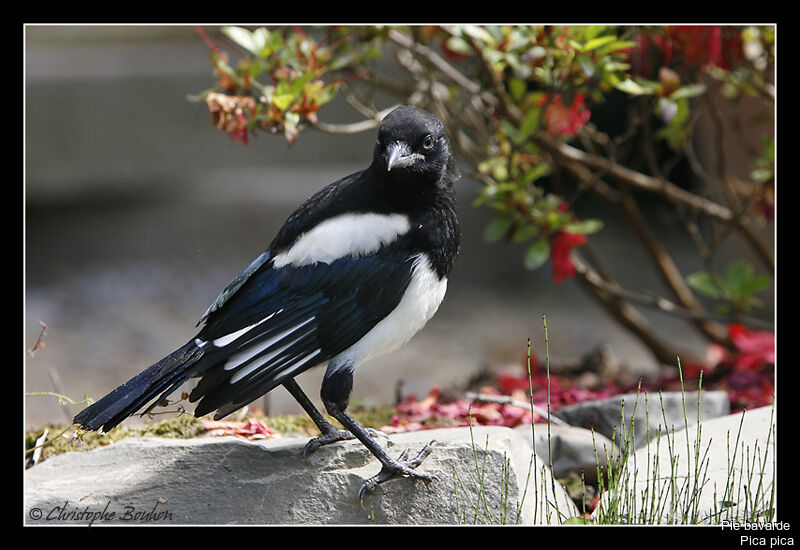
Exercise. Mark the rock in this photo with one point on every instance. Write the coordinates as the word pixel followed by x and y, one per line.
pixel 730 481
pixel 232 481
pixel 573 449
pixel 604 415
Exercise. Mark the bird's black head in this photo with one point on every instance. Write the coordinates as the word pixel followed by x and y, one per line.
pixel 413 147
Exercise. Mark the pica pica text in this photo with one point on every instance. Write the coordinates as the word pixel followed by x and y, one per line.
pixel 354 273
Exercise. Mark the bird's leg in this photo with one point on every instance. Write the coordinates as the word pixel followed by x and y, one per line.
pixel 329 433
pixel 336 388
pixel 393 468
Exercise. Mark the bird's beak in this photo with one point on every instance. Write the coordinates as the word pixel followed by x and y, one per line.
pixel 398 155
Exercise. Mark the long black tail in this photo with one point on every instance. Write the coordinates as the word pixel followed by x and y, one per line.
pixel 160 378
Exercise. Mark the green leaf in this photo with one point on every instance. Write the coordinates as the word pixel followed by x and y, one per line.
pixel 538 171
pixel 529 125
pixel 297 85
pixel 508 129
pixel 676 132
pixel 612 66
pixel 743 281
pixel 756 284
pixel 283 101
pixel 480 33
pixel 632 87
pixel 459 45
pixel 704 283
pixel 537 254
pixel 584 227
pixel 692 90
pixel 592 31
pixel 243 38
pixel 260 38
pixel 496 229
pixel 761 175
pixel 341 61
pixel 614 47
pixel 517 87
pixel 328 93
pixel 595 43
pixel 525 233
pixel 738 273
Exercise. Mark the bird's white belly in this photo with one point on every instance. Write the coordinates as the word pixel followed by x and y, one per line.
pixel 421 300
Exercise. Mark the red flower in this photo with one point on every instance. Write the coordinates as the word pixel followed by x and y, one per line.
pixel 651 51
pixel 561 246
pixel 508 383
pixel 562 121
pixel 756 348
pixel 707 45
pixel 756 394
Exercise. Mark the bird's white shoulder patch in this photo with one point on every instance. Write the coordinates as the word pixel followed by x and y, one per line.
pixel 419 303
pixel 344 235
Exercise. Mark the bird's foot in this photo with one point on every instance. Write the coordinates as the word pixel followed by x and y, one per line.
pixel 332 436
pixel 394 469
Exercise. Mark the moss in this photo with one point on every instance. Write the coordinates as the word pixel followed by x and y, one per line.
pixel 301 424
pixel 184 426
pixel 64 438
pixel 298 424
pixel 374 416
pixel 61 437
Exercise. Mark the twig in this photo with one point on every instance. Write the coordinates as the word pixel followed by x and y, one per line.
pixel 61 398
pixel 56 382
pixel 37 453
pixel 404 41
pixel 634 178
pixel 355 127
pixel 506 400
pixel 628 316
pixel 661 187
pixel 671 275
pixel 719 145
pixel 662 304
pixel 210 43
pixel 46 443
pixel 39 343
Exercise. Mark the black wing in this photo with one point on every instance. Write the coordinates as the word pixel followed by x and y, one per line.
pixel 270 324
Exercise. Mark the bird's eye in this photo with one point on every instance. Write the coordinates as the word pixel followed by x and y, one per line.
pixel 427 143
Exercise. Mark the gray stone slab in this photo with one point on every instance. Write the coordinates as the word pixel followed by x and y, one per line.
pixel 231 481
pixel 604 416
pixel 572 449
pixel 731 478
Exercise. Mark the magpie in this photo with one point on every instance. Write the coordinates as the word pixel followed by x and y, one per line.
pixel 354 273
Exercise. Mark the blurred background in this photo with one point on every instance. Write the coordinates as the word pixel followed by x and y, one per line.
pixel 138 212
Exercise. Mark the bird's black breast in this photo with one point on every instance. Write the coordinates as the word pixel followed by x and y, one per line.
pixel 435 230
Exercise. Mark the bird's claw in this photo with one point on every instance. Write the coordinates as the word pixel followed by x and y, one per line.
pixel 397 469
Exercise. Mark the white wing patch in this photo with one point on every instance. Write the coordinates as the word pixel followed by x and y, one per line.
pixel 342 236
